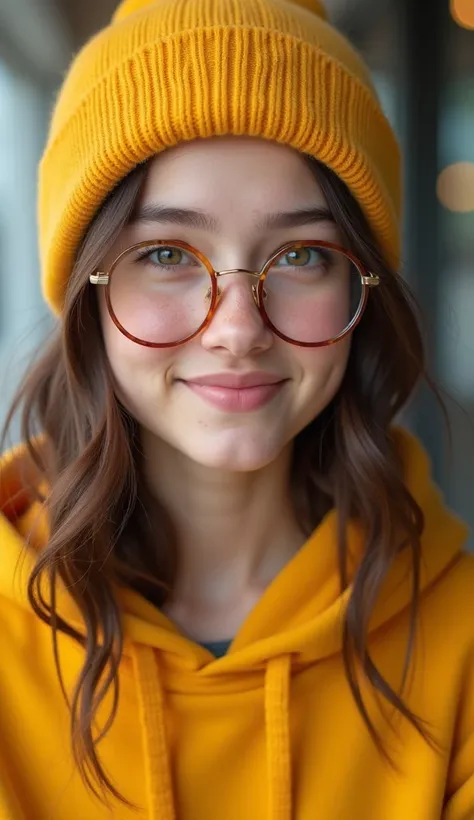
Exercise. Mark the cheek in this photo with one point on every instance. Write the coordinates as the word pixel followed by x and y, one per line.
pixel 322 372
pixel 145 322
pixel 138 371
pixel 163 317
pixel 316 320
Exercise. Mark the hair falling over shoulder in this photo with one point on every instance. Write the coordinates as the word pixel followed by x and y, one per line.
pixel 97 504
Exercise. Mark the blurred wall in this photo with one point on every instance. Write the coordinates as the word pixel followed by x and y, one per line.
pixel 34 49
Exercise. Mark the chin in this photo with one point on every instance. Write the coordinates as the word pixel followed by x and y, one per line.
pixel 237 456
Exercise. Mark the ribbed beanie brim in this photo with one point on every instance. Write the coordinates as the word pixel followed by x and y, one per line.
pixel 174 70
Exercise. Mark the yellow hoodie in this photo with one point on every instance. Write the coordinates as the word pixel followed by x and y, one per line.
pixel 269 731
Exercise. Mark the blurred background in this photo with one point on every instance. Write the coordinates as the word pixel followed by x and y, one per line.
pixel 422 58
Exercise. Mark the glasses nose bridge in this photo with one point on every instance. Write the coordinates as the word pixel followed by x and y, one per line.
pixel 220 273
pixel 256 274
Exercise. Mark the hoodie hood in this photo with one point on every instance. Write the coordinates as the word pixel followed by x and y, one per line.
pixel 296 623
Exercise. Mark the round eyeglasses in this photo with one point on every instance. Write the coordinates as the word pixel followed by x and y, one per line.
pixel 164 293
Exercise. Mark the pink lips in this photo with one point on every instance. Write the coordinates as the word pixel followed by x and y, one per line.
pixel 236 393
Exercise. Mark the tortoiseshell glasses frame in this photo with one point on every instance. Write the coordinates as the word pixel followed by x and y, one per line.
pixel 368 281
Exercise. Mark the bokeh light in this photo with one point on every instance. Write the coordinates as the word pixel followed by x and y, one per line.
pixel 462 12
pixel 455 187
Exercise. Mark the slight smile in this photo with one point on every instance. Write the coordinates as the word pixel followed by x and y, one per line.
pixel 236 393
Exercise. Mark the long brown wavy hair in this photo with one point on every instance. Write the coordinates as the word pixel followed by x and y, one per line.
pixel 100 532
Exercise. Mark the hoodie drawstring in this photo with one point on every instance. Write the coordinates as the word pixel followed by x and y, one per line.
pixel 160 798
pixel 277 707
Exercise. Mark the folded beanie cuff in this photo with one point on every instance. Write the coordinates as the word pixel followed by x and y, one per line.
pixel 267 84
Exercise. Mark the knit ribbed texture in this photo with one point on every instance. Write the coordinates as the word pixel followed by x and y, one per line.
pixel 174 70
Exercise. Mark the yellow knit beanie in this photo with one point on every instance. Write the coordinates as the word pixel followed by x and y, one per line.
pixel 165 71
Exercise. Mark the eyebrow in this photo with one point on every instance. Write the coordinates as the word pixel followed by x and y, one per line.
pixel 191 218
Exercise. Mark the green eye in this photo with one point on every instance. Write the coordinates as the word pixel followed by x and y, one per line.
pixel 168 256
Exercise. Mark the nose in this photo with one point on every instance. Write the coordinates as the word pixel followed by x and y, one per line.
pixel 237 327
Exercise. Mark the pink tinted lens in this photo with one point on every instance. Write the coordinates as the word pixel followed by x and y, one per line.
pixel 312 294
pixel 160 294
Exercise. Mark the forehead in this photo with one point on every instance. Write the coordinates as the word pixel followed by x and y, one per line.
pixel 233 178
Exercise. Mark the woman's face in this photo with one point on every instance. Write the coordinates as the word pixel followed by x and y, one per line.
pixel 236 184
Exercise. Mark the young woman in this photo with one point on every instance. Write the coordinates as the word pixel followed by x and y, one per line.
pixel 228 586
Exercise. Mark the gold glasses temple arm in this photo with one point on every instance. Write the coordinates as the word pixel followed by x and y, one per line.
pixel 99 278
pixel 371 280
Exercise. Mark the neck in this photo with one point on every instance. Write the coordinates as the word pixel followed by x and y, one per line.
pixel 236 532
